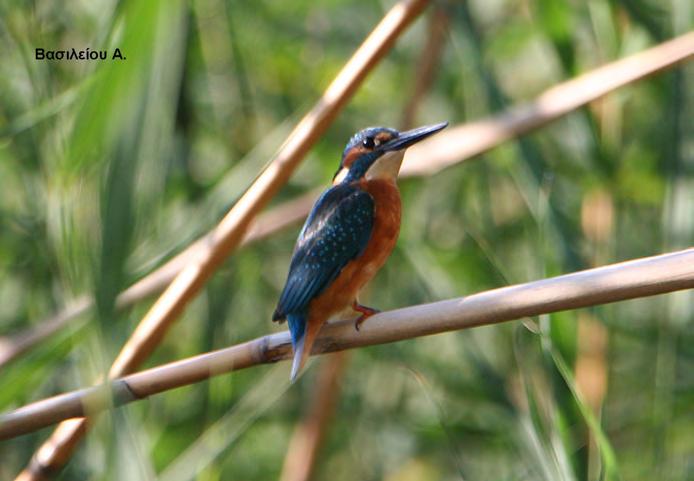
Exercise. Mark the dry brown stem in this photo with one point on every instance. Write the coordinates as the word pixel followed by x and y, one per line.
pixel 616 282
pixel 426 67
pixel 471 139
pixel 308 435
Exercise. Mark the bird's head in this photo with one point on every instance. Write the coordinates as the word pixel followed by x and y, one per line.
pixel 377 152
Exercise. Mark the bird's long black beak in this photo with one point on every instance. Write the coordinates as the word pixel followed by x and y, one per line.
pixel 410 137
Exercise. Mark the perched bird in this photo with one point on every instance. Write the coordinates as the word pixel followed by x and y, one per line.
pixel 347 237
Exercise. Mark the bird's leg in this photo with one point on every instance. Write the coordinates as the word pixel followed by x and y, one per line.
pixel 366 312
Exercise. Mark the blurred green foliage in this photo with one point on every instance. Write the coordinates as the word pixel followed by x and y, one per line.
pixel 108 168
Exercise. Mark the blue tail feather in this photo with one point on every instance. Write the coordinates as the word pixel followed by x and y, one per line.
pixel 297 328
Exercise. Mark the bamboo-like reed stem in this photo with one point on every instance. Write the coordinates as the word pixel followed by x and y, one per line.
pixel 308 436
pixel 469 140
pixel 616 282
pixel 426 68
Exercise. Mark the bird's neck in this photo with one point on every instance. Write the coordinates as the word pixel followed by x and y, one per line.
pixel 381 187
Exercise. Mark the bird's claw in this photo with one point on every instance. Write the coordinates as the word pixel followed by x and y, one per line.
pixel 366 312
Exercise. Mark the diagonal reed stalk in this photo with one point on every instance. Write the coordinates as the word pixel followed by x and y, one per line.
pixel 427 67
pixel 230 231
pixel 615 282
pixel 310 433
pixel 452 146
pixel 447 148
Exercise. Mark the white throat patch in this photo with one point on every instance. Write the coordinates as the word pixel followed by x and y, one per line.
pixel 386 166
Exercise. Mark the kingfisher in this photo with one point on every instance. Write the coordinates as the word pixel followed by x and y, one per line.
pixel 347 237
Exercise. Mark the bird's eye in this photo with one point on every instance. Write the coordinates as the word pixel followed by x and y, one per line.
pixel 369 143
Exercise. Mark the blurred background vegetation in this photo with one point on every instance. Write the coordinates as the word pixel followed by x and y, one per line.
pixel 109 168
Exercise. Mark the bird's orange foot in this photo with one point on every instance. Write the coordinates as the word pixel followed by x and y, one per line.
pixel 366 312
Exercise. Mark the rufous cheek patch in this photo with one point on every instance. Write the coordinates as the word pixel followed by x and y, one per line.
pixel 351 156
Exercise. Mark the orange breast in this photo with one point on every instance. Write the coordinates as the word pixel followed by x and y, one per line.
pixel 340 294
